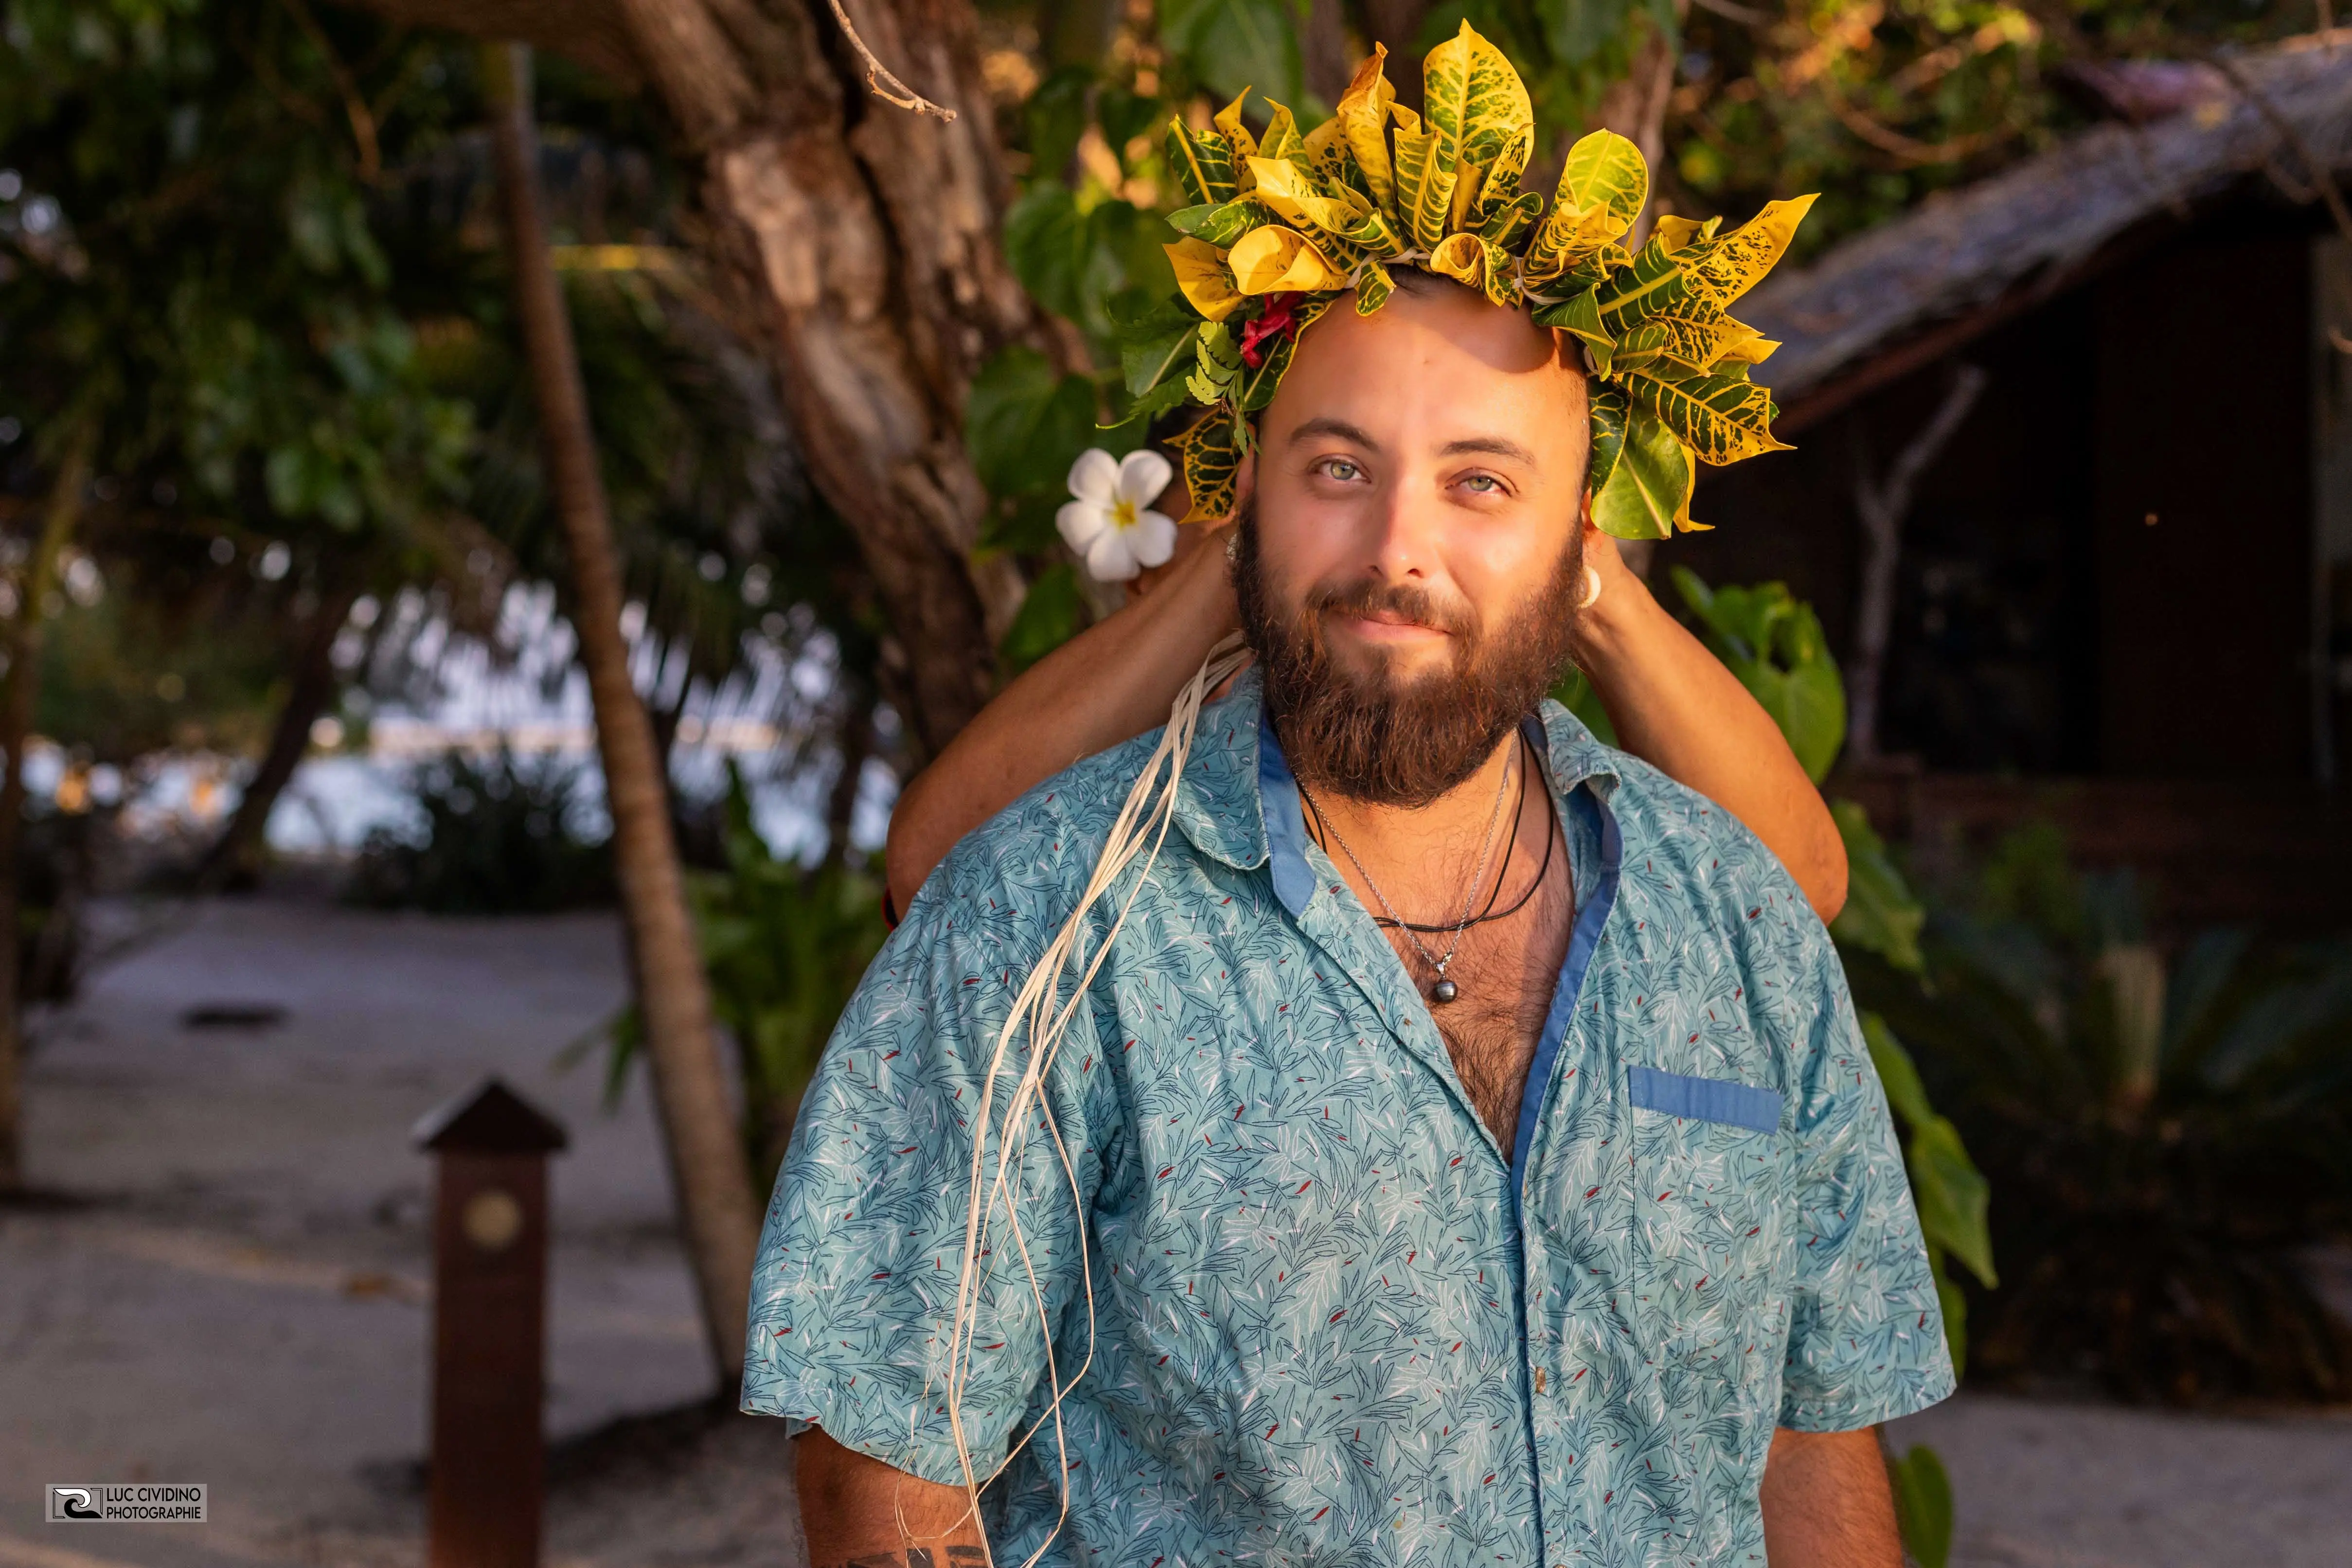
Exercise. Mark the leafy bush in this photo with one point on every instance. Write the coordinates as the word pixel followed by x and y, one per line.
pixel 784 948
pixel 2169 1131
pixel 501 836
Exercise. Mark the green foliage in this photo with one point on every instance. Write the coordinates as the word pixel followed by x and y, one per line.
pixel 1773 643
pixel 784 947
pixel 1051 615
pixel 1951 1196
pixel 499 837
pixel 1923 1505
pixel 1881 915
pixel 2169 1128
pixel 1230 45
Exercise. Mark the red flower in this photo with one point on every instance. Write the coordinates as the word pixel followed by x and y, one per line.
pixel 1278 323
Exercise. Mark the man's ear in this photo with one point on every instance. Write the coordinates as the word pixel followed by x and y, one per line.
pixel 1244 479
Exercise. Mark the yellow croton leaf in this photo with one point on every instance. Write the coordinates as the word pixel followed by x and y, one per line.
pixel 1291 192
pixel 1201 277
pixel 1228 120
pixel 1424 184
pixel 1281 139
pixel 1363 122
pixel 1497 127
pixel 1210 448
pixel 1674 232
pixel 1279 261
pixel 1606 171
pixel 1721 269
pixel 1469 259
pixel 1722 419
pixel 1601 188
pixel 1325 150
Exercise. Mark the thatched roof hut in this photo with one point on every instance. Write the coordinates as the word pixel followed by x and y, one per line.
pixel 1967 260
pixel 2074 457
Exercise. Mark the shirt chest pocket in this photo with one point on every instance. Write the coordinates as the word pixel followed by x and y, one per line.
pixel 1708 1222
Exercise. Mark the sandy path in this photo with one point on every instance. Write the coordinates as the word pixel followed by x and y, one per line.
pixel 243 1304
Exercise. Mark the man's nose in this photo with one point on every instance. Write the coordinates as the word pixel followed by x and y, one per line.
pixel 1403 544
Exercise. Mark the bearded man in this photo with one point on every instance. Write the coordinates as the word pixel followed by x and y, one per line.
pixel 1608 1257
pixel 1455 1145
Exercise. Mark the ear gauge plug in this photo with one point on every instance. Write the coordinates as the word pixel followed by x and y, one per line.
pixel 1591 590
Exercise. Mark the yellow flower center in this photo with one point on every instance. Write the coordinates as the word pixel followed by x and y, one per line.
pixel 1122 514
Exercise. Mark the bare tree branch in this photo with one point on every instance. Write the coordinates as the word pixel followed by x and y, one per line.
pixel 880 80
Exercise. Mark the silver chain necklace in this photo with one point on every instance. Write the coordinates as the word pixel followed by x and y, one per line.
pixel 1444 990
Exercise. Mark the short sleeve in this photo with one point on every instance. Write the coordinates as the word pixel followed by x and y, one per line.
pixel 855 1286
pixel 1865 1332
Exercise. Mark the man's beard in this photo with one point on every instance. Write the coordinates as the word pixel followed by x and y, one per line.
pixel 1379 737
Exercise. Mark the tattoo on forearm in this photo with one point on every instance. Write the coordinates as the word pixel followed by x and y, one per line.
pixel 919 1557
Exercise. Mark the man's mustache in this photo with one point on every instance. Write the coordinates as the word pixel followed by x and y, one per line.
pixel 1397 601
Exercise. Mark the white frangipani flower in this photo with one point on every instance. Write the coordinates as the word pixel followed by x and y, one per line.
pixel 1108 523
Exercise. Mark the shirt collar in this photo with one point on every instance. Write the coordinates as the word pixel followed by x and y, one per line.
pixel 1239 804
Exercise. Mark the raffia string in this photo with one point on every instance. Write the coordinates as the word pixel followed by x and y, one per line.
pixel 1040 1011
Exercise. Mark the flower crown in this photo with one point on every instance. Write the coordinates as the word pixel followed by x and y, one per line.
pixel 1282 224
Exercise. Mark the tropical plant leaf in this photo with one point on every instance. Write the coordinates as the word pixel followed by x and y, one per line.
pixel 1364 117
pixel 1276 259
pixel 1236 131
pixel 1325 150
pixel 1721 269
pixel 1290 192
pixel 1608 420
pixel 1221 223
pixel 1723 418
pixel 1898 1075
pixel 1881 914
pixel 1952 1197
pixel 1424 184
pixel 1498 181
pixel 1026 422
pixel 1051 614
pixel 1649 489
pixel 1373 287
pixel 1216 361
pixel 1578 315
pixel 1923 1505
pixel 1204 163
pixel 1651 284
pixel 1501 225
pixel 1565 239
pixel 1607 173
pixel 1674 233
pixel 1282 139
pixel 1256 387
pixel 1210 452
pixel 1202 278
pixel 1496 132
pixel 1469 259
pixel 1695 346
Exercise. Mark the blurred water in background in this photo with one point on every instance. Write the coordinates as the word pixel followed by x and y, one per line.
pixel 523 694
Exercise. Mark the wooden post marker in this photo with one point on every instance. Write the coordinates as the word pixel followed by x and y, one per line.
pixel 490 1315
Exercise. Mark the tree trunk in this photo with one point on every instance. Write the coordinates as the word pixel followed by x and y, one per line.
pixel 714 1191
pixel 19 691
pixel 235 857
pixel 862 240
pixel 1881 505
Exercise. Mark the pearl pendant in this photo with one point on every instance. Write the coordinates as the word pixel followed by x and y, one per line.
pixel 1443 991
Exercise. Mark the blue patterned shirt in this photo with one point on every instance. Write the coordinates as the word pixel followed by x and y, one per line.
pixel 1330 1320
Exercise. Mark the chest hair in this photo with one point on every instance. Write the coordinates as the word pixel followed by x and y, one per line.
pixel 1506 972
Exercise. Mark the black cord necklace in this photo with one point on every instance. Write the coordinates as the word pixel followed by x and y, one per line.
pixel 1551 834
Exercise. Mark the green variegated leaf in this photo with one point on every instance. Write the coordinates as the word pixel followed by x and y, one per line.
pixel 1694 346
pixel 1496 132
pixel 1565 240
pixel 1372 235
pixel 1504 225
pixel 1212 455
pixel 1722 419
pixel 1217 364
pixel 1256 387
pixel 1608 410
pixel 1373 287
pixel 1649 489
pixel 1237 134
pixel 1203 161
pixel 1652 285
pixel 1221 223
pixel 1424 184
pixel 1579 317
pixel 1294 194
pixel 1469 259
pixel 1606 172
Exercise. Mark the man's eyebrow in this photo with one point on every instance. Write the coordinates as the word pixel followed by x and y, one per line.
pixel 1315 429
pixel 1492 446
